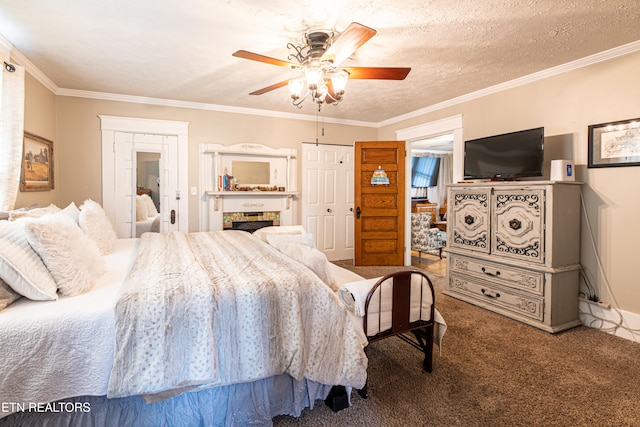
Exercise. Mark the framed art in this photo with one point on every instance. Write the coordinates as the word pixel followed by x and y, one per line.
pixel 614 144
pixel 37 164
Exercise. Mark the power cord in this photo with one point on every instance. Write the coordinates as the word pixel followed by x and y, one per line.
pixel 598 322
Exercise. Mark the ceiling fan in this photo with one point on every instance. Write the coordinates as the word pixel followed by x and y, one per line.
pixel 319 59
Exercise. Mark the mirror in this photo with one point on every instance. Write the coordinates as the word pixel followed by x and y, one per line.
pixel 250 173
pixel 148 193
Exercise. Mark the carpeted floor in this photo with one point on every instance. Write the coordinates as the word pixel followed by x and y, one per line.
pixel 493 371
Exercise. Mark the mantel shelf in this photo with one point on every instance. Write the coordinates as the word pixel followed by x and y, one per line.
pixel 250 193
pixel 250 153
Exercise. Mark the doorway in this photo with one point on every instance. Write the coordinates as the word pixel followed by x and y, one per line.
pixel 451 125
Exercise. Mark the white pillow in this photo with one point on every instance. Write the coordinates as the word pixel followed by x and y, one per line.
pixel 21 267
pixel 72 212
pixel 95 224
pixel 71 257
pixel 150 207
pixel 315 260
pixel 303 239
pixel 141 209
pixel 262 233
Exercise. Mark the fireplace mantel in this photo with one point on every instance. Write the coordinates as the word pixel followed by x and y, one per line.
pixel 216 159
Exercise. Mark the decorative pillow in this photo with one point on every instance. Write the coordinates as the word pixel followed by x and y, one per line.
pixel 303 239
pixel 315 260
pixel 262 233
pixel 7 295
pixel 95 224
pixel 72 212
pixel 21 267
pixel 152 212
pixel 71 257
pixel 141 209
pixel 32 212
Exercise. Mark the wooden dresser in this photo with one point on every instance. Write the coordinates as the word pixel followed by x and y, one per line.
pixel 514 248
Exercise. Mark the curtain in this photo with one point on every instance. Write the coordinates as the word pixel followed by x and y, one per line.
pixel 437 194
pixel 11 133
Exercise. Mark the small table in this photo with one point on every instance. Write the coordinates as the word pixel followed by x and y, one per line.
pixel 441 225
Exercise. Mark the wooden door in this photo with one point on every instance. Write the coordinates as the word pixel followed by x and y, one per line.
pixel 380 209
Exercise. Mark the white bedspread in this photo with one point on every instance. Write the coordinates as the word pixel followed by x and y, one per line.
pixel 252 313
pixel 53 350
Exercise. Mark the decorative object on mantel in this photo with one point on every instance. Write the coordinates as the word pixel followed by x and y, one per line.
pixel 614 144
pixel 37 164
pixel 379 177
pixel 319 56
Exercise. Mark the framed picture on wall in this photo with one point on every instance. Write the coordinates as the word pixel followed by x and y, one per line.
pixel 37 164
pixel 614 144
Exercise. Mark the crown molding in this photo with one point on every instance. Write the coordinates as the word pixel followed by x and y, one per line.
pixel 203 106
pixel 521 81
pixel 550 72
pixel 34 71
pixel 5 47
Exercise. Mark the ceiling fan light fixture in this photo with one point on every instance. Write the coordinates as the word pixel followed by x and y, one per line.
pixel 339 81
pixel 314 76
pixel 295 87
pixel 319 57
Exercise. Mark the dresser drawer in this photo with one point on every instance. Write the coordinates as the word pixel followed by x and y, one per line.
pixel 494 295
pixel 526 280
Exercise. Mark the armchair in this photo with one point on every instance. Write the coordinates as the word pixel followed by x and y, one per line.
pixel 423 237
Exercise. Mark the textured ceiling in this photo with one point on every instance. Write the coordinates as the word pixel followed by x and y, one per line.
pixel 182 50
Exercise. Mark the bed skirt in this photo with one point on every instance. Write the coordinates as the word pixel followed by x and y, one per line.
pixel 254 403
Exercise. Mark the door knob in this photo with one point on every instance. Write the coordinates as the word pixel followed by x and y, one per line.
pixel 329 210
pixel 358 212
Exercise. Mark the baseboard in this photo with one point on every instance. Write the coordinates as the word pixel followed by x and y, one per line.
pixel 611 320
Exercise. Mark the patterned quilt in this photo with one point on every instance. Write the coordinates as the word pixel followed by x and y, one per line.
pixel 215 308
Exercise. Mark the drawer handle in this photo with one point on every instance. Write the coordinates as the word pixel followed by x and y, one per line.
pixel 489 294
pixel 496 274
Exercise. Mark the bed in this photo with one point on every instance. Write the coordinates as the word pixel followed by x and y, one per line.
pixel 99 355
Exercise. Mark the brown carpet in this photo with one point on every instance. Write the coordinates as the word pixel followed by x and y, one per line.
pixel 493 371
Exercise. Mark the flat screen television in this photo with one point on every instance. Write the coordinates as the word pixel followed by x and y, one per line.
pixel 507 156
pixel 424 171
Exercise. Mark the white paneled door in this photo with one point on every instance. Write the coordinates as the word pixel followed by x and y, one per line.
pixel 122 139
pixel 327 198
pixel 126 147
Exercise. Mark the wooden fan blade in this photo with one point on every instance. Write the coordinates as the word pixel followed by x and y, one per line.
pixel 351 39
pixel 270 88
pixel 381 73
pixel 331 96
pixel 266 59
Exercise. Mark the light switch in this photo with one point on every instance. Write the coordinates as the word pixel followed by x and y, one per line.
pixel 194 191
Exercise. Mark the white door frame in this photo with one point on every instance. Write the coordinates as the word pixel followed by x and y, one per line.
pixel 109 125
pixel 451 124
